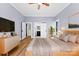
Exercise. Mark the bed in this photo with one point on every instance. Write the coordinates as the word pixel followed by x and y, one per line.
pixel 52 47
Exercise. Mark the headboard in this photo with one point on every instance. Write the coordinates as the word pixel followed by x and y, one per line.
pixel 71 31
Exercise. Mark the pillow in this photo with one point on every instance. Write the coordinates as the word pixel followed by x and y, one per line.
pixel 77 41
pixel 73 38
pixel 66 38
pixel 61 37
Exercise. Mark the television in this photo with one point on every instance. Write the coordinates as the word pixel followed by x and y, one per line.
pixel 6 25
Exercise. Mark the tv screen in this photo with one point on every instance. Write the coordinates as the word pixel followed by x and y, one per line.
pixel 6 25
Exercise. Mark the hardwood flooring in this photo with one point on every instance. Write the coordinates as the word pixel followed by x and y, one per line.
pixel 17 51
pixel 39 47
pixel 21 49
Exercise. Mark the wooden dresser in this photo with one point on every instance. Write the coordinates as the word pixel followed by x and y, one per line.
pixel 21 49
pixel 8 43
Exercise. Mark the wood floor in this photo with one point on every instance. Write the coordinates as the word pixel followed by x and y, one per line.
pixel 20 50
pixel 41 47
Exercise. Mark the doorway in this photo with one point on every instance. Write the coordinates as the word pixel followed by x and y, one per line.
pixel 26 29
pixel 40 30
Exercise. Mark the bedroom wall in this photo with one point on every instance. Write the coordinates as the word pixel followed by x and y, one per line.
pixel 70 10
pixel 48 20
pixel 74 20
pixel 62 23
pixel 9 12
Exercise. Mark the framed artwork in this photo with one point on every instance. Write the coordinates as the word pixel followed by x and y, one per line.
pixel 73 25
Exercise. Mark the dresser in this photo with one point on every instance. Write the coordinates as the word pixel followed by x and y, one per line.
pixel 8 43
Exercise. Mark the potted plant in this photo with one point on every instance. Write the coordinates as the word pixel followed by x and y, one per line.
pixel 52 30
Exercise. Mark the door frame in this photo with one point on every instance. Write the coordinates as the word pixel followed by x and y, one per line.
pixel 31 27
pixel 34 29
pixel 22 31
pixel 25 28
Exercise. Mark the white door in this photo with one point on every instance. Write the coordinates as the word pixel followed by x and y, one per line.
pixel 43 30
pixel 29 29
pixel 23 30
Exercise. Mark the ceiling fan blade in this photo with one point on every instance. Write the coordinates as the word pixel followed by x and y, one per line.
pixel 46 4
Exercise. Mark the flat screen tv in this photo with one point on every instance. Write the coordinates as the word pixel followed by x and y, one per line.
pixel 6 25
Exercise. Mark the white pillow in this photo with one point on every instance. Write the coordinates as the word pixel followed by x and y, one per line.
pixel 77 39
pixel 66 38
pixel 73 38
pixel 62 36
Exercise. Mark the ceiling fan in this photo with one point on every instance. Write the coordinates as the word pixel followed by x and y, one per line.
pixel 46 4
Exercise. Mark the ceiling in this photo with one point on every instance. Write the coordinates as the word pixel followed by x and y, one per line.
pixel 31 9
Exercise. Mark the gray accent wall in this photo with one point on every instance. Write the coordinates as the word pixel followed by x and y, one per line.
pixel 9 12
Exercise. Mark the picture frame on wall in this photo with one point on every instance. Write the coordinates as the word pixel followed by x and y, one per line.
pixel 73 25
